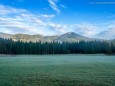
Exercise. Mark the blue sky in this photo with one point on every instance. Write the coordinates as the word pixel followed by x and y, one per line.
pixel 55 17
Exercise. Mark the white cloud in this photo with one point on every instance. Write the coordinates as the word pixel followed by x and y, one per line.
pixel 48 16
pixel 63 6
pixel 5 10
pixel 53 5
pixel 86 29
pixel 14 20
pixel 60 29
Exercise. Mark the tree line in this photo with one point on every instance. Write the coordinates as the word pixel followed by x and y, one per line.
pixel 8 46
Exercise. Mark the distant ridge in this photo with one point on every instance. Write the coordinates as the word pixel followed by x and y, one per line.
pixel 107 34
pixel 67 37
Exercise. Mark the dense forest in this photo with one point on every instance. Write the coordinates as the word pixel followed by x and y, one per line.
pixel 8 46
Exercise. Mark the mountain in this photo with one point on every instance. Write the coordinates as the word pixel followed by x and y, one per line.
pixel 67 37
pixel 5 35
pixel 71 37
pixel 27 37
pixel 108 34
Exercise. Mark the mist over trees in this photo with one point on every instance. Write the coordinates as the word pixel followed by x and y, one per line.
pixel 8 46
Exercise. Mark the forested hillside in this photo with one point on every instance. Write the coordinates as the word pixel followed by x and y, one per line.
pixel 8 46
pixel 67 37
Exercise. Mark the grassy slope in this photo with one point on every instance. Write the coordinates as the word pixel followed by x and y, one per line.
pixel 60 70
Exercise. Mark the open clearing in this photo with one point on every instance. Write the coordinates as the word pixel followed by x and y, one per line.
pixel 57 70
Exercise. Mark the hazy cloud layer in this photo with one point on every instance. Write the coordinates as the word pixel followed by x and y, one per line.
pixel 14 21
pixel 21 21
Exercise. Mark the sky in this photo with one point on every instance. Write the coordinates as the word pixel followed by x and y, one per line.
pixel 56 17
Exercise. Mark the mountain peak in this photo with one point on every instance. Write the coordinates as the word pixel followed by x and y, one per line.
pixel 71 34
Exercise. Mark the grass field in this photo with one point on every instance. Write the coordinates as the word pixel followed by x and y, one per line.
pixel 57 70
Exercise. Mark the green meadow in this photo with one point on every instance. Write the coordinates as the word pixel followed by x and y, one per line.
pixel 57 70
